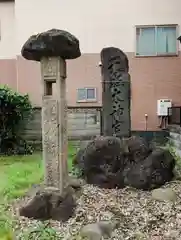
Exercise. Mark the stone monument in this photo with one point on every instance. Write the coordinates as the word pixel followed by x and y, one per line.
pixel 51 49
pixel 115 92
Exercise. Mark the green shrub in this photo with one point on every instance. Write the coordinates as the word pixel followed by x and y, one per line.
pixel 14 108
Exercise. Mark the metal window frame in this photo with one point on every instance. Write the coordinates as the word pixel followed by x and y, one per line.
pixel 88 99
pixel 140 27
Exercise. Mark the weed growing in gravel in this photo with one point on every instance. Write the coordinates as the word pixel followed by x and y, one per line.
pixel 42 231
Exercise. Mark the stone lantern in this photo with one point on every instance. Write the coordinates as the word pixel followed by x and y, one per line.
pixel 51 49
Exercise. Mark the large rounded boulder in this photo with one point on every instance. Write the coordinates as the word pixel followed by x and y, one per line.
pixel 152 172
pixel 98 160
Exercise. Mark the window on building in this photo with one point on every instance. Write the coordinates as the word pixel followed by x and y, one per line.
pixel 156 40
pixel 86 94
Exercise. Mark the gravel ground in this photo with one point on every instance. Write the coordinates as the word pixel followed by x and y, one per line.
pixel 139 215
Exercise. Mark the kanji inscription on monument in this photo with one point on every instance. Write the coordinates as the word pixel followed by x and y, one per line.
pixel 116 93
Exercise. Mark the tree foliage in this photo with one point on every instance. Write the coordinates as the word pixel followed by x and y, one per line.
pixel 14 109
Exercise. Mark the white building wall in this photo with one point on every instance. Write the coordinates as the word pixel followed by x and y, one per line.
pixel 97 23
pixel 7 30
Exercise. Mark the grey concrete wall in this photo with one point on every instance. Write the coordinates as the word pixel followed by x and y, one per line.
pixel 83 124
pixel 80 126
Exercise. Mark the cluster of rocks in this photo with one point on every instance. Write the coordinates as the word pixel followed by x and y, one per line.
pixel 48 203
pixel 109 162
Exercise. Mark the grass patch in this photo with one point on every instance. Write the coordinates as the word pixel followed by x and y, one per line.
pixel 17 175
pixel 71 153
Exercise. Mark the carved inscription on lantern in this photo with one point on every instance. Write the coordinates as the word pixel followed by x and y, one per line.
pixel 50 67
